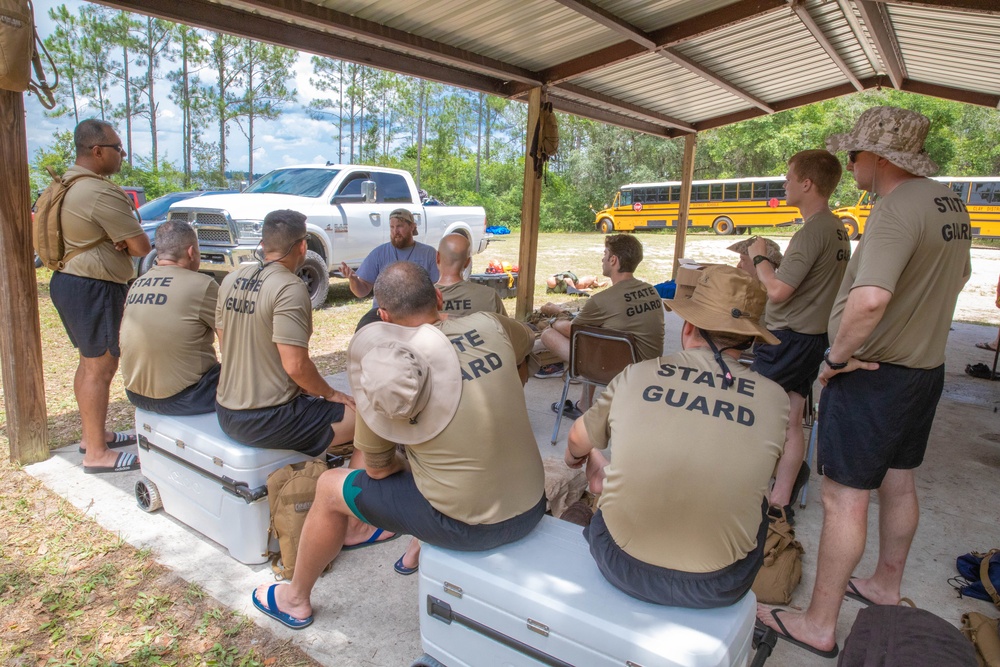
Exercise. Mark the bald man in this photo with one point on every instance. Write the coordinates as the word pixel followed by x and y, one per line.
pixel 461 297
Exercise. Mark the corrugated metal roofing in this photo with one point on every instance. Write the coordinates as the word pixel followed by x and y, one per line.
pixel 602 59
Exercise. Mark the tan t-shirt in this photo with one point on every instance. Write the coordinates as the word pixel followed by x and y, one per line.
pixel 168 330
pixel 691 462
pixel 814 265
pixel 92 210
pixel 257 309
pixel 632 306
pixel 484 467
pixel 466 297
pixel 916 245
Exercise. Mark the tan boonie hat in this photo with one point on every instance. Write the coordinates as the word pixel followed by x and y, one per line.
pixel 896 134
pixel 406 381
pixel 773 251
pixel 726 300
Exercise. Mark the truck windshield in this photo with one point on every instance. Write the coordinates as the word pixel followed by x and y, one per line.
pixel 299 182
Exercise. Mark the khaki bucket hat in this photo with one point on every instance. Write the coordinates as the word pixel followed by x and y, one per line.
pixel 406 381
pixel 726 300
pixel 773 249
pixel 896 134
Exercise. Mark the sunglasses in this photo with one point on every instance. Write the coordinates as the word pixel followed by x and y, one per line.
pixel 117 147
pixel 852 156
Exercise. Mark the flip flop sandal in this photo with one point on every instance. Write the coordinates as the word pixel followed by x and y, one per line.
pixel 853 593
pixel 986 346
pixel 371 541
pixel 118 440
pixel 570 410
pixel 272 610
pixel 782 633
pixel 124 463
pixel 402 569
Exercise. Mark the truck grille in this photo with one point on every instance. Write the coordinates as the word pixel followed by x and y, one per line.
pixel 213 235
pixel 178 215
pixel 213 228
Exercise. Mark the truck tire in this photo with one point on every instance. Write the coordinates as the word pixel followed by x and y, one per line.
pixel 147 262
pixel 605 226
pixel 147 497
pixel 316 277
pixel 723 226
pixel 851 225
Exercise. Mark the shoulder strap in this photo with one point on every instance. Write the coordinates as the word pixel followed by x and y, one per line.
pixel 67 183
pixel 984 576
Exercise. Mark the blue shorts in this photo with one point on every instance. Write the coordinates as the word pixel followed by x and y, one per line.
pixel 871 421
pixel 198 399
pixel 794 364
pixel 303 424
pixel 674 588
pixel 395 504
pixel 91 310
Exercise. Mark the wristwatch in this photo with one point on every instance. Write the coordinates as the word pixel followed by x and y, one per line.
pixel 760 258
pixel 835 366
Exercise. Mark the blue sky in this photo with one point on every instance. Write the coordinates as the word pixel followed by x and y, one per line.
pixel 294 138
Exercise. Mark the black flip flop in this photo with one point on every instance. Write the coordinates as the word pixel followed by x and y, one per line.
pixel 118 440
pixel 125 462
pixel 782 633
pixel 853 593
pixel 569 409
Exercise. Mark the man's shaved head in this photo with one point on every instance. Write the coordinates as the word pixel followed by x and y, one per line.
pixel 454 251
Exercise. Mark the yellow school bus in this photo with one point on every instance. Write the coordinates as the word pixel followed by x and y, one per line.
pixel 728 206
pixel 981 195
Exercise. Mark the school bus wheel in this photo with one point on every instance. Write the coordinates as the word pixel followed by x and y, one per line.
pixel 606 226
pixel 851 225
pixel 723 226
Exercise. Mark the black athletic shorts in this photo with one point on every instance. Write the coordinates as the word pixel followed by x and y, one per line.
pixel 395 504
pixel 303 425
pixel 91 310
pixel 674 588
pixel 871 421
pixel 795 363
pixel 198 399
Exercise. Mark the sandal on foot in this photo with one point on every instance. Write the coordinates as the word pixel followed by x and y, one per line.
pixel 371 541
pixel 272 610
pixel 124 463
pixel 986 346
pixel 118 440
pixel 782 633
pixel 570 409
pixel 402 569
pixel 853 593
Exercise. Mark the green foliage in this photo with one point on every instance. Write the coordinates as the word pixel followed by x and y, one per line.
pixel 59 155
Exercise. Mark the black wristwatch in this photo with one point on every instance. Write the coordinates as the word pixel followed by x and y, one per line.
pixel 760 258
pixel 835 366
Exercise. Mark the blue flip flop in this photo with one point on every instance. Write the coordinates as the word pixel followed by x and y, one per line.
pixel 371 541
pixel 272 610
pixel 402 569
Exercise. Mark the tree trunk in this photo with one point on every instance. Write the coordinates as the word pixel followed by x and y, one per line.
pixel 479 139
pixel 128 107
pixel 420 129
pixel 340 117
pixel 150 71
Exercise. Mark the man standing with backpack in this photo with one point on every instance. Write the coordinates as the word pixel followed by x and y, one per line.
pixel 101 234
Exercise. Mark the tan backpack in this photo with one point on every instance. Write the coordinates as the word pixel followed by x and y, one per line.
pixel 50 246
pixel 290 494
pixel 782 569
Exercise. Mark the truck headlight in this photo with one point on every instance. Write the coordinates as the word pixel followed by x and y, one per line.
pixel 248 229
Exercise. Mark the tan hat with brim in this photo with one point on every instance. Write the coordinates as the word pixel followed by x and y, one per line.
pixel 725 300
pixel 896 134
pixel 772 249
pixel 406 381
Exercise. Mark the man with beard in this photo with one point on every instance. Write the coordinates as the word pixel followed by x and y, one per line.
pixel 400 248
pixel 270 393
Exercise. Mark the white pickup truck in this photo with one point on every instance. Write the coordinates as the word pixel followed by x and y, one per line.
pixel 347 214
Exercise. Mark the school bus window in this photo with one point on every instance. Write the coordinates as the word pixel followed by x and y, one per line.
pixel 662 195
pixel 760 190
pixel 715 191
pixel 675 193
pixel 982 193
pixel 699 193
pixel 961 188
pixel 776 191
pixel 626 199
pixel 745 190
pixel 730 192
pixel 865 198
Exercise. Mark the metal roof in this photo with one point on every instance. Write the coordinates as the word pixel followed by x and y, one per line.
pixel 664 67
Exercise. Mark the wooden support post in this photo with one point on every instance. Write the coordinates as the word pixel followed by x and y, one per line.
pixel 687 175
pixel 20 332
pixel 529 217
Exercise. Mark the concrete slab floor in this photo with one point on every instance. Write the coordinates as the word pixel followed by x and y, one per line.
pixel 367 615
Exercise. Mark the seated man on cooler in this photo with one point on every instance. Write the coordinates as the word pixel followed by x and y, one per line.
pixel 460 296
pixel 447 390
pixel 682 516
pixel 168 361
pixel 629 305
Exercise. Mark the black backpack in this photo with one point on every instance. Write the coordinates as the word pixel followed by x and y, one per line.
pixel 888 636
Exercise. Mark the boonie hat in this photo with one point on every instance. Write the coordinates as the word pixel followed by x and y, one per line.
pixel 406 381
pixel 896 134
pixel 773 251
pixel 727 300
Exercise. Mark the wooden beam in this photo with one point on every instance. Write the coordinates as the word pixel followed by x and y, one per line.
pixel 610 21
pixel 956 94
pixel 807 20
pixel 880 31
pixel 530 204
pixel 976 6
pixel 20 333
pixel 687 176
pixel 664 37
pixel 610 117
pixel 576 92
pixel 707 74
pixel 274 31
pixel 859 34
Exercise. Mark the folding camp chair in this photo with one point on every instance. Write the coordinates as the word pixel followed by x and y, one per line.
pixel 596 356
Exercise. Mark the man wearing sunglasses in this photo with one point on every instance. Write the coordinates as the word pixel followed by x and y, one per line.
pixel 884 370
pixel 102 235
